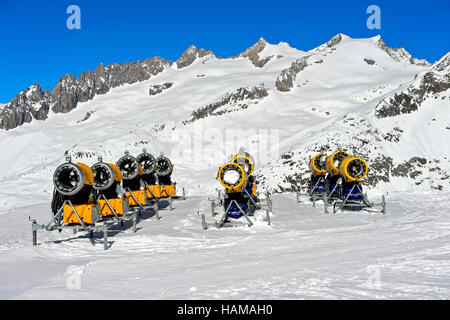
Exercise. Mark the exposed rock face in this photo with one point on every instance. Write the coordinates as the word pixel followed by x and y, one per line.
pixel 429 83
pixel 335 40
pixel 369 61
pixel 190 55
pixel 235 101
pixel 33 103
pixel 285 80
pixel 158 88
pixel 252 54
pixel 400 54
pixel 29 104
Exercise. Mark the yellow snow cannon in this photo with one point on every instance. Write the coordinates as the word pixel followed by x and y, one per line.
pixel 132 171
pixel 353 169
pixel 233 177
pixel 246 161
pixel 107 184
pixel 148 164
pixel 317 164
pixel 73 186
pixel 333 162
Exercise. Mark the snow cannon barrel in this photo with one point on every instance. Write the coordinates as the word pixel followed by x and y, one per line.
pixel 233 177
pixel 148 164
pixel 106 178
pixel 334 161
pixel 131 171
pixel 353 169
pixel 246 161
pixel 318 164
pixel 74 181
pixel 164 169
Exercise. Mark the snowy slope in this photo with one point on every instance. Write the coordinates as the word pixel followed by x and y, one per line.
pixel 282 104
pixel 304 254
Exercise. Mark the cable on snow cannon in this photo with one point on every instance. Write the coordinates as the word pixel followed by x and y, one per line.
pixel 73 184
pixel 317 165
pixel 132 181
pixel 108 189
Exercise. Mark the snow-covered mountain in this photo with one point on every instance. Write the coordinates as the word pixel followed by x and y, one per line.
pixel 281 103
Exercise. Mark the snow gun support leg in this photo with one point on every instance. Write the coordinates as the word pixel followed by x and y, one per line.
pixel 225 215
pixel 57 223
pixel 363 202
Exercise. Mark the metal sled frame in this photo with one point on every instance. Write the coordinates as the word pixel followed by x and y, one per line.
pixel 223 221
pixel 337 204
pixel 57 224
pixel 346 203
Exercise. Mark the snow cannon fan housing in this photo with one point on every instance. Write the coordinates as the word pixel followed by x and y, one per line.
pixel 246 161
pixel 353 169
pixel 233 177
pixel 107 176
pixel 74 182
pixel 148 164
pixel 318 164
pixel 131 172
pixel 164 169
pixel 334 161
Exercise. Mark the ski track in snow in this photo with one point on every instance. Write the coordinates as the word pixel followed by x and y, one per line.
pixel 304 254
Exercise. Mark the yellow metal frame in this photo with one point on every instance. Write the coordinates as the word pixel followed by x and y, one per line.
pixel 140 196
pixel 159 191
pixel 344 165
pixel 85 212
pixel 116 204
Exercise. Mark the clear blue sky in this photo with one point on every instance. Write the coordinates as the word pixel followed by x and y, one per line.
pixel 36 46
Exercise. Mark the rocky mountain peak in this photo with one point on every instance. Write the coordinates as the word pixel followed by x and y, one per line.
pixel 190 55
pixel 399 54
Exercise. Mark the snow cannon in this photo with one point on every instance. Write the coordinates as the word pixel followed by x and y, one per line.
pixel 318 164
pixel 148 164
pixel 353 169
pixel 246 161
pixel 333 176
pixel 233 177
pixel 132 182
pixel 157 176
pixel 74 181
pixel 333 162
pixel 72 194
pixel 107 185
pixel 240 185
pixel 164 169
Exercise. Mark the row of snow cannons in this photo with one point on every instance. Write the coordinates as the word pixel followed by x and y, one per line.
pixel 94 198
pixel 337 180
pixel 240 198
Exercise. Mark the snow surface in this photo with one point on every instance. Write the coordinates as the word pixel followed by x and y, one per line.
pixel 303 254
